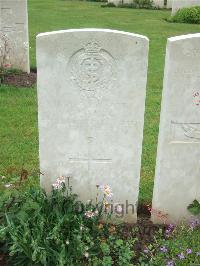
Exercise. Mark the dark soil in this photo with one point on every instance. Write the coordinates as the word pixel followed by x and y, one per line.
pixel 144 230
pixel 3 260
pixel 20 79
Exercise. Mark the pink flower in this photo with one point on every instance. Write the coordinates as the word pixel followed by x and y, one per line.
pixel 146 250
pixel 60 181
pixel 7 65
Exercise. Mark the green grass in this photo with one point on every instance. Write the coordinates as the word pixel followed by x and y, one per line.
pixel 18 107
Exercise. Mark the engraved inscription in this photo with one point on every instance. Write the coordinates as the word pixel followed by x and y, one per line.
pixel 92 68
pixel 185 132
pixel 192 52
pixel 89 160
pixel 6 14
pixel 5 50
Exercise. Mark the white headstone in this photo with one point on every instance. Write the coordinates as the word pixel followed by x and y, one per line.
pixel 159 3
pixel 178 4
pixel 115 2
pixel 91 89
pixel 120 2
pixel 177 177
pixel 14 41
pixel 169 3
pixel 162 3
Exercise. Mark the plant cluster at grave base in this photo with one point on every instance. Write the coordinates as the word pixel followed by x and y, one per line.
pixel 181 246
pixel 37 229
pixel 187 15
pixel 5 71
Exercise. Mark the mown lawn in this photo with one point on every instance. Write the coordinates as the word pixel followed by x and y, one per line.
pixel 18 107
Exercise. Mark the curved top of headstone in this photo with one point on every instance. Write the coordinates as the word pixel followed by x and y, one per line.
pixel 92 30
pixel 184 37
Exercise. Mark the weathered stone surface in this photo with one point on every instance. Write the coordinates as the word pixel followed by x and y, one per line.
pixel 177 181
pixel 120 2
pixel 14 41
pixel 115 2
pixel 178 4
pixel 169 3
pixel 162 4
pixel 91 89
pixel 159 3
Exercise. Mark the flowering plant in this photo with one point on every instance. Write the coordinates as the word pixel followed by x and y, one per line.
pixel 178 246
pixel 58 229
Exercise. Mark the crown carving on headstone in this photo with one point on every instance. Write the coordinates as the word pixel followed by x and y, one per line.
pixel 92 48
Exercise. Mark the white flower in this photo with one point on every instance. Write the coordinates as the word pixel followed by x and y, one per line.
pixel 119 208
pixel 8 185
pixel 89 214
pixel 86 254
pixel 106 190
pixel 3 177
pixel 81 227
pixel 67 242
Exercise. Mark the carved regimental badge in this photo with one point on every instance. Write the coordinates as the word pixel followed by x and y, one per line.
pixel 92 68
pixel 185 132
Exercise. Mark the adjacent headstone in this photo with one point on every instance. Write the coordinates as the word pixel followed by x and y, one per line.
pixel 120 2
pixel 14 41
pixel 177 177
pixel 169 3
pixel 178 4
pixel 162 3
pixel 91 89
pixel 115 2
pixel 159 3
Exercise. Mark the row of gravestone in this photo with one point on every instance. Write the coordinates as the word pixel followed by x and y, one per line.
pixel 91 91
pixel 175 5
pixel 14 40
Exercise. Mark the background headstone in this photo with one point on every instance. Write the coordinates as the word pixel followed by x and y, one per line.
pixel 120 2
pixel 163 3
pixel 177 177
pixel 14 41
pixel 91 89
pixel 115 2
pixel 178 4
pixel 159 3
